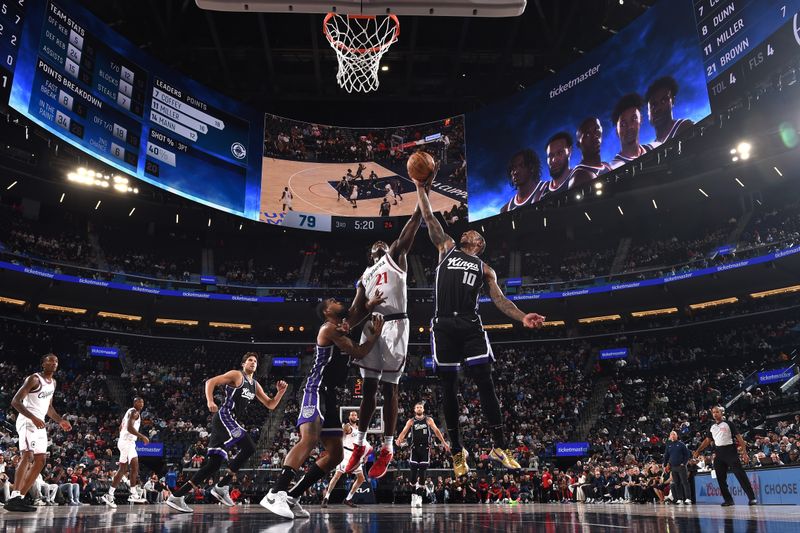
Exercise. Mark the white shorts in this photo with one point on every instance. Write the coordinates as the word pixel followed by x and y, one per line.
pixel 359 469
pixel 387 359
pixel 127 451
pixel 31 438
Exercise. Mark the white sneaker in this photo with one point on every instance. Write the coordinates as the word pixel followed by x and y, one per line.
pixel 687 501
pixel 223 495
pixel 137 495
pixel 277 503
pixel 679 502
pixel 179 504
pixel 108 500
pixel 296 508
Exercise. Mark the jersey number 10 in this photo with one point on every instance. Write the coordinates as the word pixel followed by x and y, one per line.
pixel 469 278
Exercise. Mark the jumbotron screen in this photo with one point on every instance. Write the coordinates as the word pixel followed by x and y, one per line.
pixel 89 86
pixel 640 89
pixel 331 178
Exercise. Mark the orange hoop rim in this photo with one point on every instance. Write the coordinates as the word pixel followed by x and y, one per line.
pixel 363 51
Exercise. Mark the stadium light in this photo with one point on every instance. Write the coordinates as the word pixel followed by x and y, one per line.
pixel 119 316
pixel 773 292
pixel 280 328
pixel 739 182
pixel 97 205
pixel 620 211
pixel 593 319
pixel 513 224
pixel 177 218
pixel 61 200
pixel 11 301
pixel 498 326
pixel 209 222
pixel 655 312
pixel 655 205
pixel 91 178
pixel 587 216
pixel 713 303
pixel 553 323
pixel 131 212
pixel 578 196
pixel 385 68
pixel 229 325
pixel 704 193
pixel 240 227
pixel 62 309
pixel 741 151
pixel 778 171
pixel 176 322
pixel 598 192
pixel 544 221
pixel 11 186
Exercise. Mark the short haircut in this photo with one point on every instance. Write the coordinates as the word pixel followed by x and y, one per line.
pixel 665 82
pixel 419 403
pixel 531 160
pixel 560 135
pixel 321 308
pixel 45 356
pixel 626 102
pixel 248 355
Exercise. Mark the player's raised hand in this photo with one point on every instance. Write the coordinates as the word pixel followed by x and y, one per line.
pixel 344 327
pixel 281 386
pixel 377 299
pixel 65 425
pixel 213 407
pixel 377 324
pixel 533 320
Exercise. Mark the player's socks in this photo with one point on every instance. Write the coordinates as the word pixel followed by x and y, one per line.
pixel 388 443
pixel 359 437
pixel 498 438
pixel 111 491
pixel 284 480
pixel 314 474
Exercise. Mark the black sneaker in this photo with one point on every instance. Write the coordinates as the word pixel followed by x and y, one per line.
pixel 18 505
pixel 350 503
pixel 753 502
pixel 726 504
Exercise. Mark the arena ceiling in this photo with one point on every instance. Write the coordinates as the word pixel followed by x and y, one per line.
pixel 441 66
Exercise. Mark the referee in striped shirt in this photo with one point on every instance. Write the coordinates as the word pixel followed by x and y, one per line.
pixel 722 434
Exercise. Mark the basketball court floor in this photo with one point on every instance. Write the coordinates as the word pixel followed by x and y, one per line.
pixel 313 186
pixel 472 518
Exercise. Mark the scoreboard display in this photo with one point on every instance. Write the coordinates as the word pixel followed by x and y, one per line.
pixel 12 17
pixel 743 42
pixel 99 92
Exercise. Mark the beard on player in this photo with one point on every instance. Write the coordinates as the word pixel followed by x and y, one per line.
pixel 472 242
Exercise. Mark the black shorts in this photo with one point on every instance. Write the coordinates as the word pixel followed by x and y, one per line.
pixel 420 456
pixel 459 340
pixel 226 431
pixel 321 401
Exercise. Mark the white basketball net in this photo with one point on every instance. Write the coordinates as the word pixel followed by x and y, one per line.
pixel 360 42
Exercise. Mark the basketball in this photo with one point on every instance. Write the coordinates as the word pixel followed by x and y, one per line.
pixel 420 167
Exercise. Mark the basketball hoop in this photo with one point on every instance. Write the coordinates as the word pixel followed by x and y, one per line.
pixel 360 42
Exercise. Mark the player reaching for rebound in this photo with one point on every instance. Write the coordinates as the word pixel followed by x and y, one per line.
pixel 33 401
pixel 319 418
pixel 384 281
pixel 349 429
pixel 420 428
pixel 226 430
pixel 457 335
pixel 128 433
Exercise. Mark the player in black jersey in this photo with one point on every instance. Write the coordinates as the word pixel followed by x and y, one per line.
pixel 420 428
pixel 319 419
pixel 457 335
pixel 660 98
pixel 226 430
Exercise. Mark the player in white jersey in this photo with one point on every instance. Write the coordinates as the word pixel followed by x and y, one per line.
pixel 33 401
pixel 385 281
pixel 126 443
pixel 349 439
